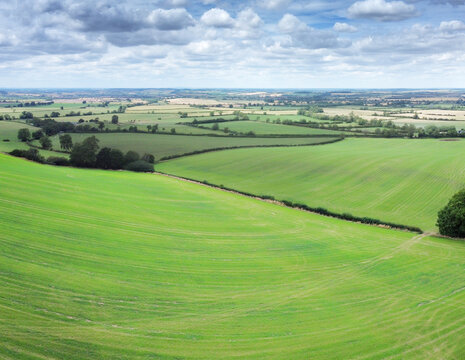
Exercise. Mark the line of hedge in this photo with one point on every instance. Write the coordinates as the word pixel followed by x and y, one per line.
pixel 317 210
pixel 197 152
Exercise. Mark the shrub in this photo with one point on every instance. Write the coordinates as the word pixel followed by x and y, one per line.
pixel 131 156
pixel 58 161
pixel 139 166
pixel 31 154
pixel 451 219
pixel 149 158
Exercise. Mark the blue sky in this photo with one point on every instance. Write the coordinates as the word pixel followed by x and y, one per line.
pixel 214 43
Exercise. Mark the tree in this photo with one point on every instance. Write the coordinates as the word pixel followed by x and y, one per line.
pixel 24 134
pixel 114 119
pixel 109 159
pixel 101 125
pixel 36 135
pixel 66 142
pixel 451 219
pixel 85 154
pixel 215 126
pixel 173 131
pixel 149 158
pixel 45 142
pixel 131 156
pixel 154 128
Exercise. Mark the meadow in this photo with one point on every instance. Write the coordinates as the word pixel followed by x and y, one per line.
pixel 396 180
pixel 263 128
pixel 117 265
pixel 169 145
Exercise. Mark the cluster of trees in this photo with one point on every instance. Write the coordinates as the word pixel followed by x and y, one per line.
pixel 87 154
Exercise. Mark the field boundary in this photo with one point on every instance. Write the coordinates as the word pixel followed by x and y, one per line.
pixel 198 152
pixel 300 207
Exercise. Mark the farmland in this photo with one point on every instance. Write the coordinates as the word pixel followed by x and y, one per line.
pixel 126 265
pixel 114 264
pixel 169 145
pixel 263 128
pixel 404 181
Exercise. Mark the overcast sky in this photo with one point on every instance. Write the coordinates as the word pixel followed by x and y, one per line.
pixel 214 43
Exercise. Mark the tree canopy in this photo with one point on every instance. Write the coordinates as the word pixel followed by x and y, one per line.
pixel 451 219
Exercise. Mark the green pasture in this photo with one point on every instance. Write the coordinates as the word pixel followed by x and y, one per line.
pixel 263 128
pixel 167 145
pixel 397 180
pixel 9 131
pixel 117 265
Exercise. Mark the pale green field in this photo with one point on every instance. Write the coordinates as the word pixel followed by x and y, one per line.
pixel 263 128
pixel 167 145
pixel 402 181
pixel 117 265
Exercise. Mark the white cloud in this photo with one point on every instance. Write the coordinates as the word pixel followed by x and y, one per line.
pixel 273 5
pixel 174 19
pixel 344 27
pixel 304 36
pixel 381 10
pixel 452 26
pixel 217 18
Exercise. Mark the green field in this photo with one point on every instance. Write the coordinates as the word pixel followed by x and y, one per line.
pixel 117 265
pixel 9 131
pixel 262 128
pixel 168 145
pixel 402 181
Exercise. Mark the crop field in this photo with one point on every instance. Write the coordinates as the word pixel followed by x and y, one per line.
pixel 169 145
pixel 403 181
pixel 123 265
pixel 263 128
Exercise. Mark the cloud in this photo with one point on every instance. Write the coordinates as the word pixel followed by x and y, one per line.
pixel 452 26
pixel 174 19
pixel 249 19
pixel 273 5
pixel 217 18
pixel 381 10
pixel 344 27
pixel 304 36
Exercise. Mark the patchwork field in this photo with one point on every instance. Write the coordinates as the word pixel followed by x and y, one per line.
pixel 100 264
pixel 402 181
pixel 168 145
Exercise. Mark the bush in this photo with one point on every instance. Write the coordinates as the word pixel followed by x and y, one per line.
pixel 149 158
pixel 451 219
pixel 58 161
pixel 131 156
pixel 31 154
pixel 139 166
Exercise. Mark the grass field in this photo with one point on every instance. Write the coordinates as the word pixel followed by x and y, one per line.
pixel 117 265
pixel 402 181
pixel 262 128
pixel 167 145
pixel 9 131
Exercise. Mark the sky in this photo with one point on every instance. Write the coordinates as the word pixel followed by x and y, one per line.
pixel 232 44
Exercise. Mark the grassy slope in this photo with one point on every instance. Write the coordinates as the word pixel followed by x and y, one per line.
pixel 101 264
pixel 165 145
pixel 403 181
